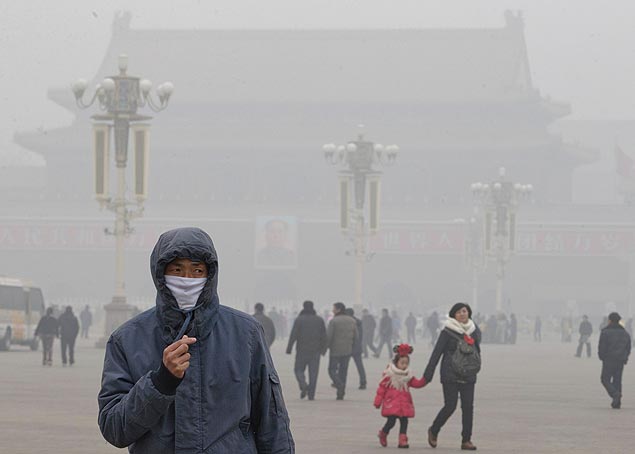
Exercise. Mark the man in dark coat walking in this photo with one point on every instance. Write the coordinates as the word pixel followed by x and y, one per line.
pixel 86 318
pixel 368 332
pixel 357 348
pixel 411 325
pixel 385 334
pixel 266 322
pixel 585 330
pixel 191 376
pixel 47 329
pixel 340 336
pixel 613 349
pixel 432 324
pixel 69 328
pixel 309 335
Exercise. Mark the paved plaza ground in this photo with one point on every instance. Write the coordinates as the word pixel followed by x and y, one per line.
pixel 530 398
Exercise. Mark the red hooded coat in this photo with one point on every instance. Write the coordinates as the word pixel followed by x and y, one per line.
pixel 397 402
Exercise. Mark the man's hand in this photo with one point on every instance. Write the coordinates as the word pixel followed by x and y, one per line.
pixel 176 358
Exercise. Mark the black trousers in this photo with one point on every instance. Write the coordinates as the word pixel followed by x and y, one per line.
pixel 451 393
pixel 338 370
pixel 411 337
pixel 302 361
pixel 612 377
pixel 367 344
pixel 47 349
pixel 392 420
pixel 578 352
pixel 384 341
pixel 359 364
pixel 68 344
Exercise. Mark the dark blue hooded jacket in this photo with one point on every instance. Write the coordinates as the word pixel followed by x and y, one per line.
pixel 229 400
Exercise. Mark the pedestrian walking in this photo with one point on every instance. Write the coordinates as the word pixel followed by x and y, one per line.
pixel 47 329
pixel 86 320
pixel 309 336
pixel 357 349
pixel 340 335
pixel 385 334
pixel 614 348
pixel 368 332
pixel 396 326
pixel 538 329
pixel 393 395
pixel 459 345
pixel 432 323
pixel 411 327
pixel 191 375
pixel 585 330
pixel 69 328
pixel 513 329
pixel 266 322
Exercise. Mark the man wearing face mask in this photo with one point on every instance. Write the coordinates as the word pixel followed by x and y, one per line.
pixel 189 375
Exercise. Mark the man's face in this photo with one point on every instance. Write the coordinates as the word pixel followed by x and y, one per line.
pixel 276 234
pixel 182 267
pixel 335 310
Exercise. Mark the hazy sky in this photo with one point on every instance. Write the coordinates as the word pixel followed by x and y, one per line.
pixel 581 51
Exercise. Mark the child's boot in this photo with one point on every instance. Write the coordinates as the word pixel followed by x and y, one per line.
pixel 403 441
pixel 383 438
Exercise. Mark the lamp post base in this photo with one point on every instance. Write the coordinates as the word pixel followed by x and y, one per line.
pixel 118 311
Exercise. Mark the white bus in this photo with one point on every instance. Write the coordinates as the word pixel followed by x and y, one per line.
pixel 21 306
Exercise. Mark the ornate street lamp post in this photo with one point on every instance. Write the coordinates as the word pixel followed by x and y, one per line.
pixel 475 258
pixel 357 180
pixel 119 97
pixel 499 202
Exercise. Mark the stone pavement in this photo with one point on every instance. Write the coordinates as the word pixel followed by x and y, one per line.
pixel 530 398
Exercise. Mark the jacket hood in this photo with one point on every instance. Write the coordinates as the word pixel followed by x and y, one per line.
pixel 194 244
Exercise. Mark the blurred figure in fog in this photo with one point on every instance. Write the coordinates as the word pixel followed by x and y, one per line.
pixel 513 329
pixel 566 329
pixel 433 326
pixel 501 329
pixel 368 332
pixel 411 326
pixel 613 349
pixel 538 329
pixel 86 318
pixel 396 326
pixel 585 330
pixel 47 329
pixel 69 328
pixel 341 335
pixel 309 335
pixel 385 334
pixel 266 322
pixel 357 348
pixel 283 324
pixel 274 316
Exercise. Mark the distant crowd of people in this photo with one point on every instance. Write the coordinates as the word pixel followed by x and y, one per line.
pixel 190 352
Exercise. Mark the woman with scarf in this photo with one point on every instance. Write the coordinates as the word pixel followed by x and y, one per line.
pixel 459 331
pixel 394 393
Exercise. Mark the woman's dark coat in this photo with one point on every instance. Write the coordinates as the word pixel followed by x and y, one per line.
pixel 445 346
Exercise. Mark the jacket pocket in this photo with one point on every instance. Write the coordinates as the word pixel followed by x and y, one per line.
pixel 277 404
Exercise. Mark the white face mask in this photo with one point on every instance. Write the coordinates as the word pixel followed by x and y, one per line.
pixel 186 290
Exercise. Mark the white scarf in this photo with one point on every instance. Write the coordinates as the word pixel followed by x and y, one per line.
pixel 186 290
pixel 399 378
pixel 460 328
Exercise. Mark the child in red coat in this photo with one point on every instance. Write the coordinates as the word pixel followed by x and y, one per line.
pixel 394 393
